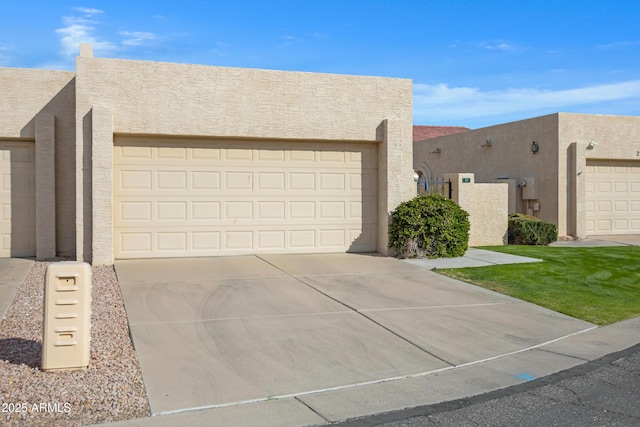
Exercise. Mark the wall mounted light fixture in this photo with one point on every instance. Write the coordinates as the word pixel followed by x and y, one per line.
pixel 534 147
pixel 487 143
pixel 437 151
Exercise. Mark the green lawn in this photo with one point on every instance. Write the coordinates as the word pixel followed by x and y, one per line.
pixel 600 285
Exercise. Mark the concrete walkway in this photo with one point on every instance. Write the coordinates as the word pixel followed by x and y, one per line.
pixel 472 258
pixel 311 339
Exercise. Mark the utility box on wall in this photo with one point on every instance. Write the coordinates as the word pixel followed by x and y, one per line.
pixel 67 316
pixel 529 189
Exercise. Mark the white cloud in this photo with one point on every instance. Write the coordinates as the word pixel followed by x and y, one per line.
pixel 499 45
pixel 82 29
pixel 437 103
pixel 137 38
pixel 88 11
pixel 504 46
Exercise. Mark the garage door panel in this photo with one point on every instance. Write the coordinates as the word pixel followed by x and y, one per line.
pixel 271 239
pixel 133 152
pixel 271 181
pixel 207 242
pixel 238 210
pixel 172 211
pixel 131 212
pixel 127 211
pixel 620 225
pixel 302 181
pixel 235 197
pixel 175 242
pixel 591 227
pixel 202 180
pixel 133 180
pixel 271 153
pixel 621 206
pixel 336 155
pixel 612 199
pixel 171 241
pixel 271 210
pixel 167 180
pixel 621 187
pixel 172 153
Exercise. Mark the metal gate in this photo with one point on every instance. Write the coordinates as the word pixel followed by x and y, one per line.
pixel 437 186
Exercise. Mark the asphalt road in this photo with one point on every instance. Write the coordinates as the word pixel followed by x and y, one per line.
pixel 604 392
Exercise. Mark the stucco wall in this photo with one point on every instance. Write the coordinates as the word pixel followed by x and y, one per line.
pixel 508 155
pixel 617 138
pixel 490 213
pixel 180 99
pixel 26 94
pixel 487 206
pixel 150 98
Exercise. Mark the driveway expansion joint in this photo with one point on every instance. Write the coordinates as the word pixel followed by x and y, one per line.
pixel 299 279
pixel 312 410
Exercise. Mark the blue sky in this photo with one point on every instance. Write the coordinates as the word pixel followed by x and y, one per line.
pixel 473 63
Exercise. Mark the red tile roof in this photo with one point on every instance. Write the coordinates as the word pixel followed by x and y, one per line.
pixel 424 132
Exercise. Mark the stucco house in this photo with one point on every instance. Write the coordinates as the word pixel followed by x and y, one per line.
pixel 578 171
pixel 136 159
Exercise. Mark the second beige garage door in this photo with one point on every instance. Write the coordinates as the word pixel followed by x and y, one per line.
pixel 612 197
pixel 186 198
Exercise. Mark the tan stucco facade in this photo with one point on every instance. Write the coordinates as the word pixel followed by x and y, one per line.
pixel 557 169
pixel 487 206
pixel 38 106
pixel 77 115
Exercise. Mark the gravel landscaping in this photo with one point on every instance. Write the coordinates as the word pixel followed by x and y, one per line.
pixel 110 389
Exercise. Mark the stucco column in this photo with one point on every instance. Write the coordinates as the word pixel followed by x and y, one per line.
pixel 463 193
pixel 395 173
pixel 45 186
pixel 578 151
pixel 102 182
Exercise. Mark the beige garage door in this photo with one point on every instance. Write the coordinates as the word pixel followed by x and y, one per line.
pixel 185 198
pixel 613 197
pixel 17 199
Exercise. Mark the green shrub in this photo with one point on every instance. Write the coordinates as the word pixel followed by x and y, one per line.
pixel 429 226
pixel 529 230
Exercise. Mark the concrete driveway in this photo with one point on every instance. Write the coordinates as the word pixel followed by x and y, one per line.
pixel 603 240
pixel 623 239
pixel 13 271
pixel 215 332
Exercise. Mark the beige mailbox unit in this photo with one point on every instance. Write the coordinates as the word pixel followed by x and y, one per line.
pixel 67 316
